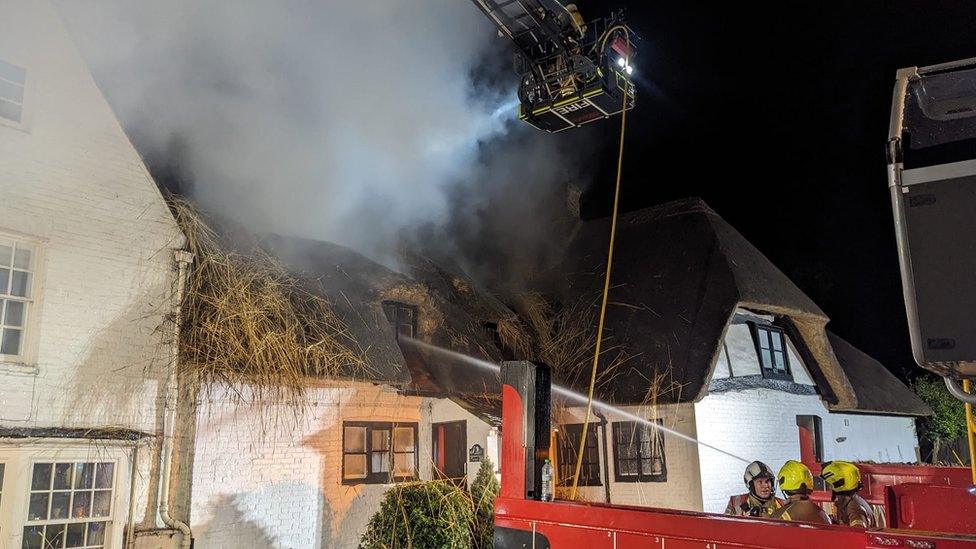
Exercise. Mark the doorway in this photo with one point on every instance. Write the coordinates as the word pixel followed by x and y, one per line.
pixel 450 441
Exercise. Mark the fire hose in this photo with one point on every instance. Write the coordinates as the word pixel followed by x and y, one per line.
pixel 606 288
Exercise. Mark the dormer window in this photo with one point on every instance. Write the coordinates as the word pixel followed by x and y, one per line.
pixel 771 348
pixel 402 316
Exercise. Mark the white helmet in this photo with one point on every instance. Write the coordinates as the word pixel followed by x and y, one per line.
pixel 757 469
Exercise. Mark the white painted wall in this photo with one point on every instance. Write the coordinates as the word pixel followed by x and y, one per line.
pixel 18 460
pixel 442 410
pixel 882 439
pixel 682 489
pixel 739 353
pixel 271 476
pixel 71 181
pixel 760 424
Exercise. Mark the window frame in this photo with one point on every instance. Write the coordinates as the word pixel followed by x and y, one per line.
pixel 107 520
pixel 617 426
pixel 568 433
pixel 393 310
pixel 20 458
pixel 379 477
pixel 768 330
pixel 25 87
pixel 23 362
pixel 816 422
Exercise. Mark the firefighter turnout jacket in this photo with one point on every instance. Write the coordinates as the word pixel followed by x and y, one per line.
pixel 800 508
pixel 748 505
pixel 852 510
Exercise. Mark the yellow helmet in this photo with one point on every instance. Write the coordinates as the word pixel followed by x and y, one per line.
pixel 795 477
pixel 841 476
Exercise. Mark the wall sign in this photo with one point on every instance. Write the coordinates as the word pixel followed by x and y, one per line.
pixel 476 453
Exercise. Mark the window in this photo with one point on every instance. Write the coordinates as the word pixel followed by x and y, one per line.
pixel 402 316
pixel 17 261
pixel 378 453
pixel 568 450
pixel 638 453
pixel 12 80
pixel 771 346
pixel 70 505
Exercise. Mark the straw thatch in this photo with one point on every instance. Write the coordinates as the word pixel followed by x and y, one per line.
pixel 680 273
pixel 565 339
pixel 247 322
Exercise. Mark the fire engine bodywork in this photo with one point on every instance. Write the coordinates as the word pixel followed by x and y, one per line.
pixel 521 521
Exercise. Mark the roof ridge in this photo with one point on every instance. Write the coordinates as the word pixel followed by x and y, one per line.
pixel 692 204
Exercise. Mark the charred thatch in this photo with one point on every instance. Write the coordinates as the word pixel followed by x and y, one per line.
pixel 247 322
pixel 565 338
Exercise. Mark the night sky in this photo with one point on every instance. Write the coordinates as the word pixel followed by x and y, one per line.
pixel 778 118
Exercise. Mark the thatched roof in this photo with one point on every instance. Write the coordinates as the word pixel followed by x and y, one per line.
pixel 353 284
pixel 877 389
pixel 680 271
pixel 451 313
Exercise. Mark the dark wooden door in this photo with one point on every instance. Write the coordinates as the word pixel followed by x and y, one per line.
pixel 450 450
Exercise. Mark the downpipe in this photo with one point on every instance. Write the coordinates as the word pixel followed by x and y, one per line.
pixel 130 530
pixel 606 456
pixel 183 259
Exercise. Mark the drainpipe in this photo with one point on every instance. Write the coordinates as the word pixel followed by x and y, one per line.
pixel 606 456
pixel 130 528
pixel 183 259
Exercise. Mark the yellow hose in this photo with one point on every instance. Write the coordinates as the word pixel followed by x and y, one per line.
pixel 970 432
pixel 606 291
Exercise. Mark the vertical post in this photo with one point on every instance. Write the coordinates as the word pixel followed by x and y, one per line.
pixel 525 428
pixel 970 432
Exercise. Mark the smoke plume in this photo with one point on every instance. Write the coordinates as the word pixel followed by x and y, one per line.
pixel 360 122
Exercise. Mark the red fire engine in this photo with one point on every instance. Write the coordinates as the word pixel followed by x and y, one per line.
pixel 925 507
pixel 572 73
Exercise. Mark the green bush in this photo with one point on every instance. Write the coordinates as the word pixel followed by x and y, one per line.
pixel 436 513
pixel 949 420
pixel 421 515
pixel 484 490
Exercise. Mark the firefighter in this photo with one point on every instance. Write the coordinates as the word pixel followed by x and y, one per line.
pixel 844 480
pixel 796 482
pixel 761 500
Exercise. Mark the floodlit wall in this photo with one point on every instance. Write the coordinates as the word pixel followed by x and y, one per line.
pixel 271 475
pixel 477 431
pixel 74 190
pixel 760 424
pixel 682 490
pixel 73 186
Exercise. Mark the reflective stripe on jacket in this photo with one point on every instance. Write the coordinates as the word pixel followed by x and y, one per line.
pixel 747 505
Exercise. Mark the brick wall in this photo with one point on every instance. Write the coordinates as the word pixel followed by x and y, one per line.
pixel 477 431
pixel 760 424
pixel 682 489
pixel 71 181
pixel 271 475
